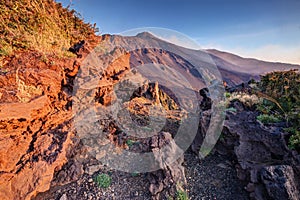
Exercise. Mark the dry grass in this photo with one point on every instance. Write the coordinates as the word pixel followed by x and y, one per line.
pixel 40 25
pixel 246 99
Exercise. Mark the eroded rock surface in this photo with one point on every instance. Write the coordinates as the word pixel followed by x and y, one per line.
pixel 265 164
pixel 36 122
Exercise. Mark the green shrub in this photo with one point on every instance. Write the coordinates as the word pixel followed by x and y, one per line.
pixel 103 180
pixel 264 118
pixel 181 195
pixel 294 140
pixel 283 90
pixel 227 94
pixel 134 174
pixel 130 142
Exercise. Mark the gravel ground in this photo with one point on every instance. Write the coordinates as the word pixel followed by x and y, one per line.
pixel 209 179
pixel 124 186
pixel 212 178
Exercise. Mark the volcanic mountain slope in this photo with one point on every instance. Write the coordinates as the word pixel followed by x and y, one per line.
pixel 247 65
pixel 145 48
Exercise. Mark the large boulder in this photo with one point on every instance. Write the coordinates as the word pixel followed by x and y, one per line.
pixel 264 161
pixel 280 182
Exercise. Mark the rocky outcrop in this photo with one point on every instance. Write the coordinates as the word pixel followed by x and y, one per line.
pixel 205 106
pixel 264 160
pixel 36 122
pixel 34 135
pixel 166 181
pixel 265 165
pixel 280 182
pixel 115 70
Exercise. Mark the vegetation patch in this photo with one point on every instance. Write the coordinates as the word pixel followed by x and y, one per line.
pixel 283 91
pixel 103 180
pixel 264 118
pixel 181 195
pixel 40 25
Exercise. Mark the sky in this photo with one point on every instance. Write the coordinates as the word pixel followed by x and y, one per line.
pixel 267 30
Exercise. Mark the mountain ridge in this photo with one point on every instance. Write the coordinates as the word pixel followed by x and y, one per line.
pixel 146 48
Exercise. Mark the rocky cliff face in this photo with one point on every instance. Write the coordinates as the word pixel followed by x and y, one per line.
pixel 36 122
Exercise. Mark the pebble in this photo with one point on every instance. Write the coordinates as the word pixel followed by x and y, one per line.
pixel 222 165
pixel 63 197
pixel 90 170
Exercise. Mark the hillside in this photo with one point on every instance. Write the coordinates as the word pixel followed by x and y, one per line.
pixel 40 25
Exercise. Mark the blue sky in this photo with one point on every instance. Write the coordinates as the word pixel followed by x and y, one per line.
pixel 268 30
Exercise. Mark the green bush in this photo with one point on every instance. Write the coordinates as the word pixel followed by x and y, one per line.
pixel 283 92
pixel 103 180
pixel 130 142
pixel 284 88
pixel 294 140
pixel 227 94
pixel 264 118
pixel 181 195
pixel 134 174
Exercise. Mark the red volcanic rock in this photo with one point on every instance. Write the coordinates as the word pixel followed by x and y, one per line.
pixel 114 72
pixel 35 123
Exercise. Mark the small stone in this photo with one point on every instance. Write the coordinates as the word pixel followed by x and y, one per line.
pixel 63 197
pixel 90 180
pixel 100 155
pixel 250 187
pixel 90 170
pixel 222 165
